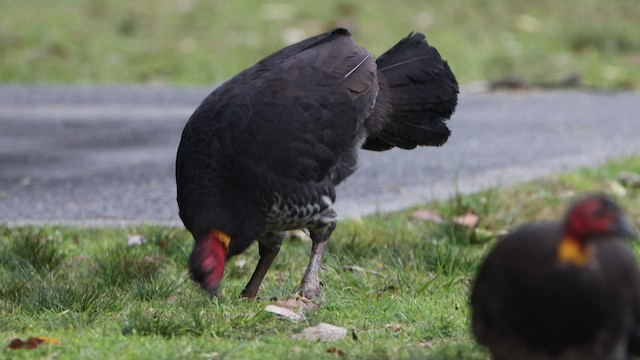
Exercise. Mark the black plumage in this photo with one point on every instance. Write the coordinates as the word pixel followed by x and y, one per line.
pixel 561 290
pixel 264 151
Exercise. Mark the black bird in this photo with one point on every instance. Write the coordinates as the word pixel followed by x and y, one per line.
pixel 264 151
pixel 561 290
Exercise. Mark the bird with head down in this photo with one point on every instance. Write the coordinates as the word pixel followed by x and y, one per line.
pixel 263 152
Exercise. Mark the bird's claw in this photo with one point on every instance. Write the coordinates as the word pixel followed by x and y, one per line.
pixel 309 292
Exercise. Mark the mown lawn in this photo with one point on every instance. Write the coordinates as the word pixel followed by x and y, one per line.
pixel 397 283
pixel 198 41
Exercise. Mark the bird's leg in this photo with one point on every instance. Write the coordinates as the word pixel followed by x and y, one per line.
pixel 310 285
pixel 268 249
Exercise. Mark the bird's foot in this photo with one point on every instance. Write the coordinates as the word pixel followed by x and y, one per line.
pixel 249 293
pixel 310 289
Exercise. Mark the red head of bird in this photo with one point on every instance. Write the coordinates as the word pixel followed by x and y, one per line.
pixel 596 215
pixel 208 260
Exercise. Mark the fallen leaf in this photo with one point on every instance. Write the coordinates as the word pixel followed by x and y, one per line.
pixel 424 214
pixel 16 344
pixel 49 340
pixel 468 220
pixel 322 332
pixel 32 342
pixel 292 308
pixel 163 245
pixel 284 312
pixel 333 350
pixel 135 240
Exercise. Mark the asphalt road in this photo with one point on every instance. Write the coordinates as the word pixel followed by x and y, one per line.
pixel 104 155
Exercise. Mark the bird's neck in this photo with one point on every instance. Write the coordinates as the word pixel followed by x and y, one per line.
pixel 574 251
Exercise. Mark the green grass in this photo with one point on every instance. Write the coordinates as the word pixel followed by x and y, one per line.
pixel 398 284
pixel 197 41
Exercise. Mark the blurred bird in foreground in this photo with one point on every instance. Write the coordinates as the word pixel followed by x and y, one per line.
pixel 561 290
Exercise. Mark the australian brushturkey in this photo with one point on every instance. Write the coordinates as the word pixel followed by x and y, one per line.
pixel 561 290
pixel 263 152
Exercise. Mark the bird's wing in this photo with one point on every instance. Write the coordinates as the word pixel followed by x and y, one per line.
pixel 295 114
pixel 291 119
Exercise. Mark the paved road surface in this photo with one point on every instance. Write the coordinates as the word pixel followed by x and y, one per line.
pixel 104 155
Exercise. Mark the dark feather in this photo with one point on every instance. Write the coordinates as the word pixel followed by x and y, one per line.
pixel 422 93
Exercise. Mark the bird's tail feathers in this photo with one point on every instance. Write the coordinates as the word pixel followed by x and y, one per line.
pixel 418 93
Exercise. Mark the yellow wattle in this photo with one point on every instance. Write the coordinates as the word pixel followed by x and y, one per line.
pixel 571 251
pixel 224 239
